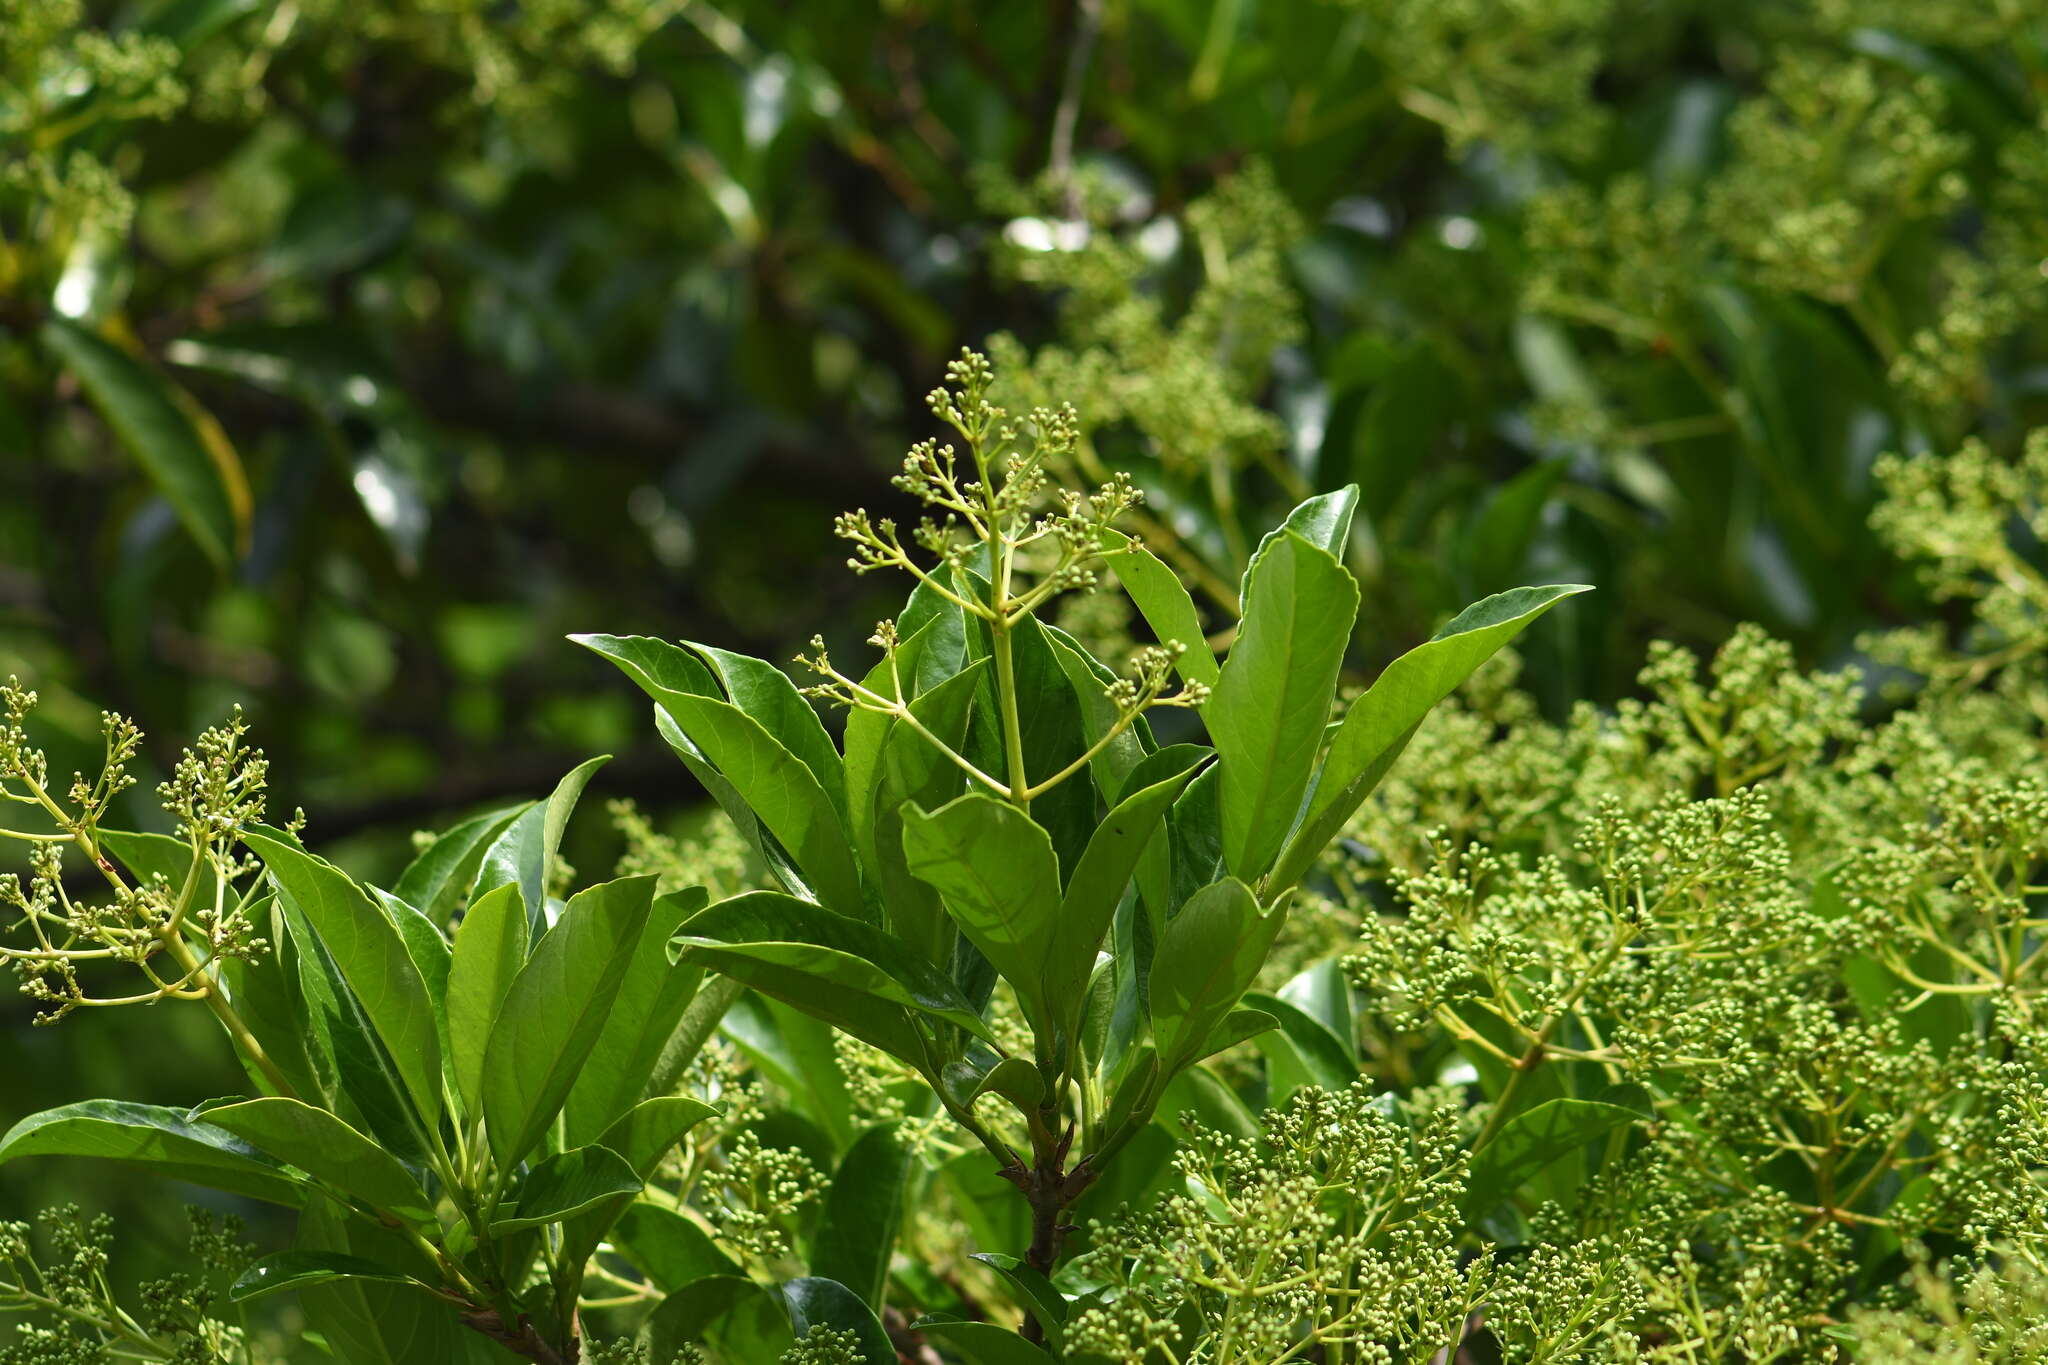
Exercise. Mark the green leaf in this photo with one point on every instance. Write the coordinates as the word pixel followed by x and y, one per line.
pixel 1055 733
pixel 524 854
pixel 863 1210
pixel 797 1052
pixel 428 947
pixel 1036 1293
pixel 1324 994
pixel 1194 831
pixel 1199 1095
pixel 848 973
pixel 1379 723
pixel 266 994
pixel 765 692
pixel 1531 1141
pixel 439 879
pixel 982 1343
pixel 1324 521
pixel 490 948
pixel 370 1322
pixel 1239 1026
pixel 189 461
pixel 911 771
pixel 642 1137
pixel 867 731
pixel 679 670
pixel 190 22
pixel 263 990
pixel 559 1187
pixel 1267 713
pixel 356 1070
pixel 1209 955
pixel 777 787
pixel 1163 601
pixel 735 1317
pixel 366 949
pixel 650 1003
pixel 996 872
pixel 297 1269
pixel 669 1248
pixel 1300 1052
pixel 644 1134
pixel 165 1141
pixel 1090 680
pixel 149 856
pixel 1098 883
pixel 329 1150
pixel 983 1073
pixel 554 1011
pixel 815 1302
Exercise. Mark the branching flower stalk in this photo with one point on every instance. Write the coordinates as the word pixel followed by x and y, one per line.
pixel 1016 546
pixel 991 524
pixel 196 918
pixel 63 1282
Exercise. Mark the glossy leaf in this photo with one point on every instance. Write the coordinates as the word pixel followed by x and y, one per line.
pixel 1163 601
pixel 165 1141
pixel 1300 1051
pixel 1054 735
pixel 367 950
pixel 996 872
pixel 782 792
pixel 1378 725
pixel 554 1011
pixel 564 1185
pixel 728 1313
pixel 650 1003
pixel 370 1321
pixel 1090 680
pixel 439 879
pixel 795 1051
pixel 815 1302
pixel 863 1210
pixel 329 1150
pixel 911 772
pixel 356 1070
pixel 867 731
pixel 982 1073
pixel 765 692
pixel 490 948
pixel 850 974
pixel 299 1269
pixel 982 1343
pixel 1272 700
pixel 1239 1026
pixel 669 1247
pixel 1098 883
pixel 647 1132
pixel 1037 1294
pixel 429 949
pixel 148 856
pixel 1324 521
pixel 524 854
pixel 642 1137
pixel 1208 957
pixel 266 994
pixel 1323 993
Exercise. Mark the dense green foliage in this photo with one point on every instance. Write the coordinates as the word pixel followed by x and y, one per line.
pixel 1190 932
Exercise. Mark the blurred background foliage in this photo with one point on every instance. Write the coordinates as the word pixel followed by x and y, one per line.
pixel 353 351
